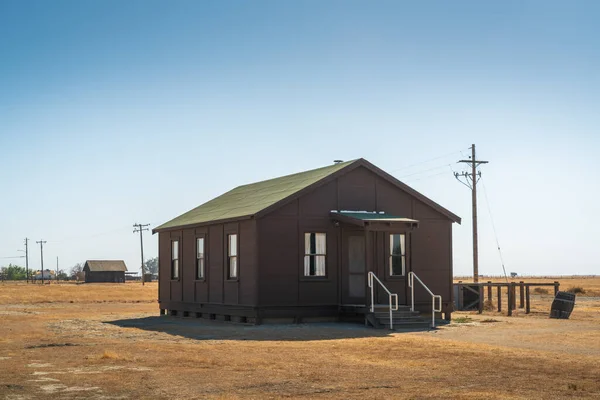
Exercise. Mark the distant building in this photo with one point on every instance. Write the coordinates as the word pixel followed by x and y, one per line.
pixel 104 271
pixel 47 275
pixel 132 276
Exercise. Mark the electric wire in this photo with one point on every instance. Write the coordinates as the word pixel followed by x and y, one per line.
pixel 74 238
pixel 494 229
pixel 428 176
pixel 422 172
pixel 426 161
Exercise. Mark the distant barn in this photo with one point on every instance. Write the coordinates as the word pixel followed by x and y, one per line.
pixel 104 271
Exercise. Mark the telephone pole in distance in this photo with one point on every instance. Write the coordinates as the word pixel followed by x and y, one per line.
pixel 26 260
pixel 41 242
pixel 141 228
pixel 471 182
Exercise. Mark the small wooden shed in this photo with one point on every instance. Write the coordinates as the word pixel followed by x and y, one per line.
pixel 303 247
pixel 104 271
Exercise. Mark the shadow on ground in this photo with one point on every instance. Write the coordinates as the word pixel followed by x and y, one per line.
pixel 200 329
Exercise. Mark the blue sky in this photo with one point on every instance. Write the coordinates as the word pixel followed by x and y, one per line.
pixel 110 109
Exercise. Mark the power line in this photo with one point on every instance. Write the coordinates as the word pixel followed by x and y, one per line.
pixel 429 176
pixel 141 228
pixel 426 177
pixel 89 236
pixel 422 172
pixel 487 202
pixel 93 235
pixel 426 161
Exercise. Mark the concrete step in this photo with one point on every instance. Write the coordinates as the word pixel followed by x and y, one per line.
pixel 399 314
pixel 404 322
pixel 387 307
pixel 401 318
pixel 408 325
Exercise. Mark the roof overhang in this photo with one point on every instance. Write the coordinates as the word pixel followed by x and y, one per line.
pixel 200 224
pixel 373 220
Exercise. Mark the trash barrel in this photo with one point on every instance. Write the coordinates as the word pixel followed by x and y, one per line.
pixel 562 306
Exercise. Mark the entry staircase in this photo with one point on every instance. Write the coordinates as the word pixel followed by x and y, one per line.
pixel 402 318
pixel 395 317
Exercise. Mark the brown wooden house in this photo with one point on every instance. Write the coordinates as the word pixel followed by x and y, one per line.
pixel 104 271
pixel 300 248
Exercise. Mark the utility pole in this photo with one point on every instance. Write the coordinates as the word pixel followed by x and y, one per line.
pixel 471 182
pixel 140 228
pixel 56 269
pixel 41 242
pixel 26 260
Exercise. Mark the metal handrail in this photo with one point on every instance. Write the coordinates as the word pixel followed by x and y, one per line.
pixel 411 278
pixel 393 305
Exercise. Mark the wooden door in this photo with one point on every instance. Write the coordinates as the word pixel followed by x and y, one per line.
pixel 354 268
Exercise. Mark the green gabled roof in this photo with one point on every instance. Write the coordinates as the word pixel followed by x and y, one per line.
pixel 247 200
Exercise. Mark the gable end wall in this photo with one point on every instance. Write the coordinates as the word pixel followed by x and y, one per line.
pixel 281 240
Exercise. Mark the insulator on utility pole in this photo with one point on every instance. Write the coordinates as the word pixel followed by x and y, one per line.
pixel 471 182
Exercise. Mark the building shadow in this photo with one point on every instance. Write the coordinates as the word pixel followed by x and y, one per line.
pixel 202 329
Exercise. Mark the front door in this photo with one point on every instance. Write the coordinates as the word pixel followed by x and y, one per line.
pixel 354 268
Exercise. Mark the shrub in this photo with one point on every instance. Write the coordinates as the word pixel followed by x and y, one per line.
pixel 539 290
pixel 489 320
pixel 576 290
pixel 462 320
pixel 489 305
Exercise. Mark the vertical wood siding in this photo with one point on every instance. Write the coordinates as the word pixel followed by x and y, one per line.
pixel 271 250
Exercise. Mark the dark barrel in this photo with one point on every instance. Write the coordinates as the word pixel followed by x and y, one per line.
pixel 562 306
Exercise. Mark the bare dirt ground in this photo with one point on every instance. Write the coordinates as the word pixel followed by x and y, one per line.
pixel 70 343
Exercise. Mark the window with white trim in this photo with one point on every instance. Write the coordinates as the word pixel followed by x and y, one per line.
pixel 175 259
pixel 232 259
pixel 315 254
pixel 397 254
pixel 200 258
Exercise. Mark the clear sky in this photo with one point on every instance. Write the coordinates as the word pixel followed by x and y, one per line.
pixel 116 112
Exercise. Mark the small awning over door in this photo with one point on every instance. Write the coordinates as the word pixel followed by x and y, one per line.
pixel 373 220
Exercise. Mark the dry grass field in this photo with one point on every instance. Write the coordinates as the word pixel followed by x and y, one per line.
pixel 22 293
pixel 104 341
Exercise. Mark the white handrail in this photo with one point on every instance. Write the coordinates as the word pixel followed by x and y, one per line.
pixel 393 305
pixel 411 278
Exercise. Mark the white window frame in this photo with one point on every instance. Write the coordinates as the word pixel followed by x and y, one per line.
pixel 401 256
pixel 175 259
pixel 232 256
pixel 200 258
pixel 318 254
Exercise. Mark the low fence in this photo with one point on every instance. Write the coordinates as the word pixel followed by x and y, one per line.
pixel 471 295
